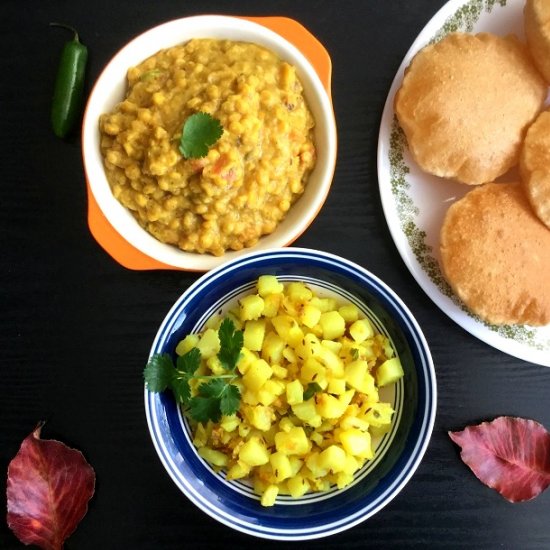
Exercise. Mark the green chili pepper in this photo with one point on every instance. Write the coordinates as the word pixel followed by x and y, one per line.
pixel 69 85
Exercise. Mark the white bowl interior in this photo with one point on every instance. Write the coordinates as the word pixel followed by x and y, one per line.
pixel 110 89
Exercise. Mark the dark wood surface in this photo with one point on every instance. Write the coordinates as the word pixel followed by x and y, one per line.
pixel 76 327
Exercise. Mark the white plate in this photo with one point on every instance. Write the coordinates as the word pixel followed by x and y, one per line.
pixel 415 203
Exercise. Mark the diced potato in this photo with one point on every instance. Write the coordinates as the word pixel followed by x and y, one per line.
pixel 297 486
pixel 332 458
pixel 285 425
pixel 331 361
pixel 287 328
pixel 389 372
pixel 357 443
pixel 251 307
pixel 293 442
pixel 313 371
pixel 294 392
pixel 257 374
pixel 343 479
pixel 230 423
pixel 254 452
pixel 357 376
pixel 329 406
pixel 361 330
pixel 379 414
pixel 281 466
pixel 272 303
pixel 307 412
pixel 245 360
pixel 336 386
pixel 238 471
pixel 272 349
pixel 298 292
pixel 278 371
pixel 209 343
pixel 187 344
pixel 269 284
pixel 269 495
pixel 217 458
pixel 350 313
pixel 324 304
pixel 314 466
pixel 310 315
pixel 333 325
pixel 260 417
pixel 253 334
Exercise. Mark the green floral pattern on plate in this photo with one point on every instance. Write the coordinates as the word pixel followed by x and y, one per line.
pixel 463 20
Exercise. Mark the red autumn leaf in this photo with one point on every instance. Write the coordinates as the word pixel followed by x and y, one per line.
pixel 511 455
pixel 48 489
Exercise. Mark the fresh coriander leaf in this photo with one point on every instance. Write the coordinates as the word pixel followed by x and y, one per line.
pixel 231 343
pixel 354 354
pixel 159 372
pixel 203 409
pixel 181 389
pixel 230 400
pixel 213 388
pixel 311 389
pixel 190 361
pixel 200 131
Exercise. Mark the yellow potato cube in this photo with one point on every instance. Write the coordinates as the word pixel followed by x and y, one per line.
pixel 281 466
pixel 357 376
pixel 379 414
pixel 257 374
pixel 216 458
pixel 254 452
pixel 272 349
pixel 357 443
pixel 350 313
pixel 230 423
pixel 361 330
pixel 343 479
pixel 253 334
pixel 294 392
pixel 310 315
pixel 245 360
pixel 313 371
pixel 238 471
pixel 260 417
pixel 272 303
pixel 336 386
pixel 314 466
pixel 329 406
pixel 251 307
pixel 332 458
pixel 297 486
pixel 187 344
pixel 286 424
pixel 269 284
pixel 278 371
pixel 269 495
pixel 307 412
pixel 333 325
pixel 324 304
pixel 209 343
pixel 293 442
pixel 298 292
pixel 331 361
pixel 389 371
pixel 287 328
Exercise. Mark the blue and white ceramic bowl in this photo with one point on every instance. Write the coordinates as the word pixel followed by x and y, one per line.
pixel 398 453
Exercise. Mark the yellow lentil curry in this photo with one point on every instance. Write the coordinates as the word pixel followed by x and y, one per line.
pixel 250 177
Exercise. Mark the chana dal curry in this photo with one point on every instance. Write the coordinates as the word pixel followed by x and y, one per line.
pixel 249 178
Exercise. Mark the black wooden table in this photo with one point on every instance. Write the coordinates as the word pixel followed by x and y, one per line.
pixel 76 327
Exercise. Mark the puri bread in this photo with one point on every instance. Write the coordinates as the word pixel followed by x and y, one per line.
pixel 495 254
pixel 465 103
pixel 536 20
pixel 535 166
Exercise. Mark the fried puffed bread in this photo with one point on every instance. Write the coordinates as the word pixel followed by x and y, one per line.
pixel 495 255
pixel 536 21
pixel 535 166
pixel 465 103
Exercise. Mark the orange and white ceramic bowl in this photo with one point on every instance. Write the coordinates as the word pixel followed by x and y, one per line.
pixel 113 225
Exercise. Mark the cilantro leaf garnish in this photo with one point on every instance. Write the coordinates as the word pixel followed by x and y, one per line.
pixel 311 389
pixel 200 131
pixel 217 395
pixel 231 343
